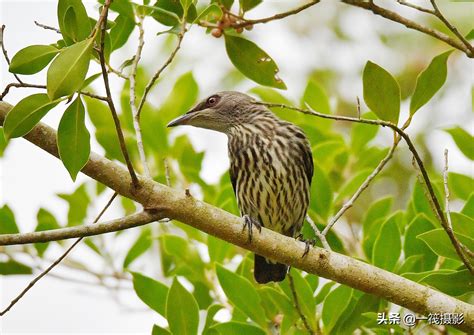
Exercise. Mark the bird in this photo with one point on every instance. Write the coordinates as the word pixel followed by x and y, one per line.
pixel 271 167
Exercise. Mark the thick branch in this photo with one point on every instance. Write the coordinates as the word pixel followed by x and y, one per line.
pixel 228 227
pixel 426 179
pixel 392 16
pixel 130 221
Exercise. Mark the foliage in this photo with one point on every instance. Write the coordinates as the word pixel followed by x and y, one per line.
pixel 202 275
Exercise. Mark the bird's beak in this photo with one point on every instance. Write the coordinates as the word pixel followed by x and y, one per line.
pixel 181 120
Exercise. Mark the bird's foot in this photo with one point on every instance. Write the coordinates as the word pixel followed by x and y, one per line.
pixel 249 223
pixel 307 244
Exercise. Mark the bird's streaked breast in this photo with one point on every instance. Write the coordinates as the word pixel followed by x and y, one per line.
pixel 268 162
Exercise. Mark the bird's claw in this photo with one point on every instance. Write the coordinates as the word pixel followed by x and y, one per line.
pixel 249 223
pixel 307 243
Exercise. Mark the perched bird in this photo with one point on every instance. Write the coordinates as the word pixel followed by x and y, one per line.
pixel 271 166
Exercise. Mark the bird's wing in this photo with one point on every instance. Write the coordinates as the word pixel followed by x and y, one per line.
pixel 308 163
pixel 233 176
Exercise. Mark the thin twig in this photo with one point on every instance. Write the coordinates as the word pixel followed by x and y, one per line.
pixel 161 69
pixel 446 189
pixel 468 251
pixel 133 93
pixel 27 85
pixel 362 187
pixel 56 262
pixel 437 207
pixel 93 95
pixel 419 8
pixel 318 233
pixel 47 27
pixel 395 17
pixel 116 72
pixel 5 53
pixel 297 304
pixel 242 22
pixel 22 84
pixel 452 28
pixel 110 102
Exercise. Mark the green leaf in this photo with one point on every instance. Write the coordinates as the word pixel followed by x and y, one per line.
pixel 461 185
pixel 68 71
pixel 26 114
pixel 211 312
pixel 381 92
pixel 142 244
pixel 7 221
pixel 157 330
pixel 247 5
pixel 413 246
pixel 351 186
pixel 3 142
pixel 362 134
pixel 322 294
pixel 91 79
pixel 315 96
pixel 470 35
pixel 238 328
pixel 242 294
pixel 353 318
pixel 170 12
pixel 211 12
pixel 46 221
pixel 388 246
pixel 182 311
pixel 73 138
pixel 455 283
pixel 73 20
pixel 468 208
pixel 429 81
pixel 376 213
pixel 151 292
pixel 184 258
pixel 281 301
pixel 321 193
pixel 252 61
pixel 32 59
pixel 334 305
pixel 305 297
pixel 121 32
pixel 12 267
pixel 439 242
pixel 78 202
pixel 463 140
pixel 462 224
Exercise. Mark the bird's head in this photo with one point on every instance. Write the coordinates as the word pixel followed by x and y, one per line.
pixel 220 112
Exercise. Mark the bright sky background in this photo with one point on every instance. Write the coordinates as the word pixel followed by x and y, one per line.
pixel 30 178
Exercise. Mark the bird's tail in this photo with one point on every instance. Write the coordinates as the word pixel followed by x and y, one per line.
pixel 265 271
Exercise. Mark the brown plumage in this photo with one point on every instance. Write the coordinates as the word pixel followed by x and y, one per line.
pixel 271 167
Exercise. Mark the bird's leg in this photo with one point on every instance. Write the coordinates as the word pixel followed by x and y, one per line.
pixel 249 222
pixel 307 243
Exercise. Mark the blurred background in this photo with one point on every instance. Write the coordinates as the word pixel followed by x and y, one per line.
pixel 329 43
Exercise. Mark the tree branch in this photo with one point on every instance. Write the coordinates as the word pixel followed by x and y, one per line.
pixel 437 207
pixel 135 111
pixel 5 53
pixel 56 262
pixel 127 222
pixel 221 224
pixel 240 22
pixel 110 102
pixel 392 16
pixel 362 187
